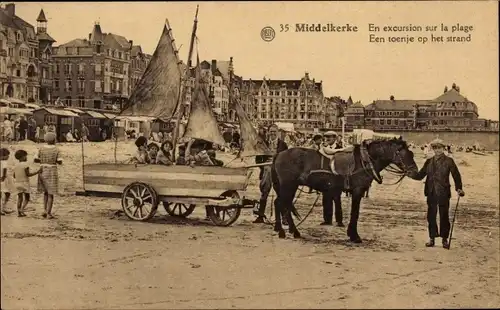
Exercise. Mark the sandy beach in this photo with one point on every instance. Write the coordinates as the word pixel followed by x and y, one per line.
pixel 89 257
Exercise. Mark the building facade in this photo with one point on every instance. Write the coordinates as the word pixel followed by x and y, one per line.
pixel 45 51
pixel 98 72
pixel 449 111
pixel 215 76
pixel 300 102
pixel 24 57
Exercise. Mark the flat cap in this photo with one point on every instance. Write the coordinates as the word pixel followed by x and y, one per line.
pixel 437 142
pixel 330 133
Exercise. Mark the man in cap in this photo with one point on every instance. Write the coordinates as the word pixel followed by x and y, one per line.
pixel 331 147
pixel 437 169
pixel 276 145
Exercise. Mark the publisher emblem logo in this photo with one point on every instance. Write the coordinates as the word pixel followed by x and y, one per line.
pixel 267 34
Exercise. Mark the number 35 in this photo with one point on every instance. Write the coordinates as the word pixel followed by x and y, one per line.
pixel 284 27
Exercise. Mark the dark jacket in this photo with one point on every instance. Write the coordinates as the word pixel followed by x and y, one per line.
pixel 437 171
pixel 281 146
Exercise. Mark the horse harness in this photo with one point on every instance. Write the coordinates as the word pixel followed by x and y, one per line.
pixel 367 167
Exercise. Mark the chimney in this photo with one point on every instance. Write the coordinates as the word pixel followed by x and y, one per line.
pixel 90 36
pixel 392 98
pixel 131 43
pixel 214 65
pixel 11 9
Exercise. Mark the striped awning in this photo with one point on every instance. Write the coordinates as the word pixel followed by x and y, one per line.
pixel 95 114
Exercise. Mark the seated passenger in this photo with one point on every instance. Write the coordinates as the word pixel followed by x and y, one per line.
pixel 317 140
pixel 164 157
pixel 152 152
pixel 196 153
pixel 141 156
pixel 181 159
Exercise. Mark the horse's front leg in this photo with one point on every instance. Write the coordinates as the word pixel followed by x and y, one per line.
pixel 352 228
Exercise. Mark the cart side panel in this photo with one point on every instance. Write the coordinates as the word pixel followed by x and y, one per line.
pixel 182 181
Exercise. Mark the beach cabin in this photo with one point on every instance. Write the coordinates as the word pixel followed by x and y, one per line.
pixel 162 125
pixel 62 119
pixel 95 122
pixel 138 124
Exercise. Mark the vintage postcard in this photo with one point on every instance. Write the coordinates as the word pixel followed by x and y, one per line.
pixel 274 154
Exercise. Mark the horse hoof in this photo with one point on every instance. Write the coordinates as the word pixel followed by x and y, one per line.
pixel 297 235
pixel 281 234
pixel 356 240
pixel 340 224
pixel 276 229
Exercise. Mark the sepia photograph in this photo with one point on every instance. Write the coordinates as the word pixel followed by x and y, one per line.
pixel 249 155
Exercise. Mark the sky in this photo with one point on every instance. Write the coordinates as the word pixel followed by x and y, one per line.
pixel 346 62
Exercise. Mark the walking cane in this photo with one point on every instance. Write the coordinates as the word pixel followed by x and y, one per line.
pixel 453 222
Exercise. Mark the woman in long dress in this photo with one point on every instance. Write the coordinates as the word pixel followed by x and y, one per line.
pixel 48 180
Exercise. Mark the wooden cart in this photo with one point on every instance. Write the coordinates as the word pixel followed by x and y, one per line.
pixel 180 189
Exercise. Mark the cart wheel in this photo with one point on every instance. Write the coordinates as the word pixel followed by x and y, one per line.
pixel 222 216
pixel 178 209
pixel 139 201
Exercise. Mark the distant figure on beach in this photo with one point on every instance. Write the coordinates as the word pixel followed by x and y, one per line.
pixel 437 169
pixel 7 129
pixel 85 133
pixel 69 137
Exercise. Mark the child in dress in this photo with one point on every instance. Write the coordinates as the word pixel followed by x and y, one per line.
pixel 164 157
pixel 48 182
pixel 6 181
pixel 22 176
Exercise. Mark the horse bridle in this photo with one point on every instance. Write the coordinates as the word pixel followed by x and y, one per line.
pixel 372 173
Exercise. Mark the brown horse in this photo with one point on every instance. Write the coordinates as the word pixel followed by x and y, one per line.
pixel 301 166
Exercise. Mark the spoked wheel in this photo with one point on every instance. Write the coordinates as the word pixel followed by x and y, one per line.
pixel 222 216
pixel 178 209
pixel 139 201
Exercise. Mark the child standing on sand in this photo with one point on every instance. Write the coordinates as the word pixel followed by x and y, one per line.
pixel 22 176
pixel 6 181
pixel 48 181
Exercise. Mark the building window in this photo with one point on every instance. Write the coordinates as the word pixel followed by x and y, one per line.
pixel 98 68
pixel 50 119
pixel 98 86
pixel 81 85
pixel 56 84
pixel 81 68
pixel 68 85
pixel 66 121
pixel 81 101
pixel 68 101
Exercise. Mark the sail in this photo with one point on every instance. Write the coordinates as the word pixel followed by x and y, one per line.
pixel 251 143
pixel 157 92
pixel 202 123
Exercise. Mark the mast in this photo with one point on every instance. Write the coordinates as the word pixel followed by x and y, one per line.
pixel 187 76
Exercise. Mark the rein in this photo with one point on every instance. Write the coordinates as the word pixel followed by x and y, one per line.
pixel 392 169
